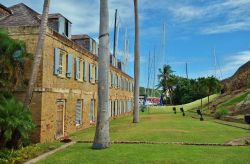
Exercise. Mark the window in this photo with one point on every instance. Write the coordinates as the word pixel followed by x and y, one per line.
pixel 92 111
pixel 91 73
pixel 96 73
pixel 118 82
pixel 59 62
pixel 64 27
pixel 85 71
pixel 69 66
pixel 79 108
pixel 77 68
pixel 112 80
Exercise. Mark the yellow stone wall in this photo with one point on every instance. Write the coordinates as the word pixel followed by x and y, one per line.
pixel 51 88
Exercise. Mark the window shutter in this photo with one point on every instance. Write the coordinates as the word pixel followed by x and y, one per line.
pixel 112 79
pixel 96 73
pixel 77 68
pixel 85 71
pixel 69 30
pixel 61 29
pixel 69 66
pixel 90 73
pixel 119 82
pixel 56 61
pixel 78 112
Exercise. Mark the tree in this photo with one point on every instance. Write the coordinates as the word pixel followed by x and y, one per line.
pixel 202 89
pixel 213 86
pixel 102 139
pixel 15 123
pixel 38 54
pixel 136 65
pixel 12 56
pixel 166 81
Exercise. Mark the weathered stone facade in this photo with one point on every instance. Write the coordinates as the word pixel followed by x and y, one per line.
pixel 63 104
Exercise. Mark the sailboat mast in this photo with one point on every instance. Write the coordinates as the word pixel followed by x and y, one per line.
pixel 148 73
pixel 215 63
pixel 115 33
pixel 125 50
pixel 154 76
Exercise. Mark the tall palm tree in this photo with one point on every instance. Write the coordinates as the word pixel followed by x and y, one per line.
pixel 38 54
pixel 102 139
pixel 167 81
pixel 136 65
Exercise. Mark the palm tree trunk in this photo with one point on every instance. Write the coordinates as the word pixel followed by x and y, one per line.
pixel 102 139
pixel 136 65
pixel 38 54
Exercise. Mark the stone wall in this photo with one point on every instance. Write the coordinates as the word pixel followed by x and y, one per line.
pixel 50 88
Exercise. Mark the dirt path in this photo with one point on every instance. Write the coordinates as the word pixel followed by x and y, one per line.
pixel 239 141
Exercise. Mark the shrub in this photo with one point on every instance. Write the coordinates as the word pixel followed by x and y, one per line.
pixel 15 123
pixel 221 112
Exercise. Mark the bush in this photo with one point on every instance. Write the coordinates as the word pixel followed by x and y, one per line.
pixel 220 113
pixel 15 123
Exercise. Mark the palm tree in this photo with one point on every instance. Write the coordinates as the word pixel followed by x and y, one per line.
pixel 12 56
pixel 15 122
pixel 38 54
pixel 167 81
pixel 102 139
pixel 136 65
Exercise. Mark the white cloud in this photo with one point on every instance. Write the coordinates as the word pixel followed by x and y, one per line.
pixel 231 27
pixel 236 60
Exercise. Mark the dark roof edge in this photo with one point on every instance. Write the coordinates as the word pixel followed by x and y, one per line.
pixel 5 8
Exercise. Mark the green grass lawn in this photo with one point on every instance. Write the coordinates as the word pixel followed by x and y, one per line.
pixel 158 125
pixel 163 125
pixel 160 154
pixel 233 101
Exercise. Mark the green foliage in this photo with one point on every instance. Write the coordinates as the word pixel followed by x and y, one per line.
pixel 15 123
pixel 12 56
pixel 182 90
pixel 235 100
pixel 189 90
pixel 18 156
pixel 221 112
pixel 157 93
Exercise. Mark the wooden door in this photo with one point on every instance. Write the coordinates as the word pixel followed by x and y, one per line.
pixel 60 118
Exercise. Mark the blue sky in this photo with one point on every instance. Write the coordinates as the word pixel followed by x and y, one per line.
pixel 193 29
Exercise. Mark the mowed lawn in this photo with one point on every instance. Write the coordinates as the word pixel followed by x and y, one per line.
pixel 158 125
pixel 150 154
pixel 163 125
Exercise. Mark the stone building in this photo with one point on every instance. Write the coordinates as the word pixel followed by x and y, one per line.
pixel 65 97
